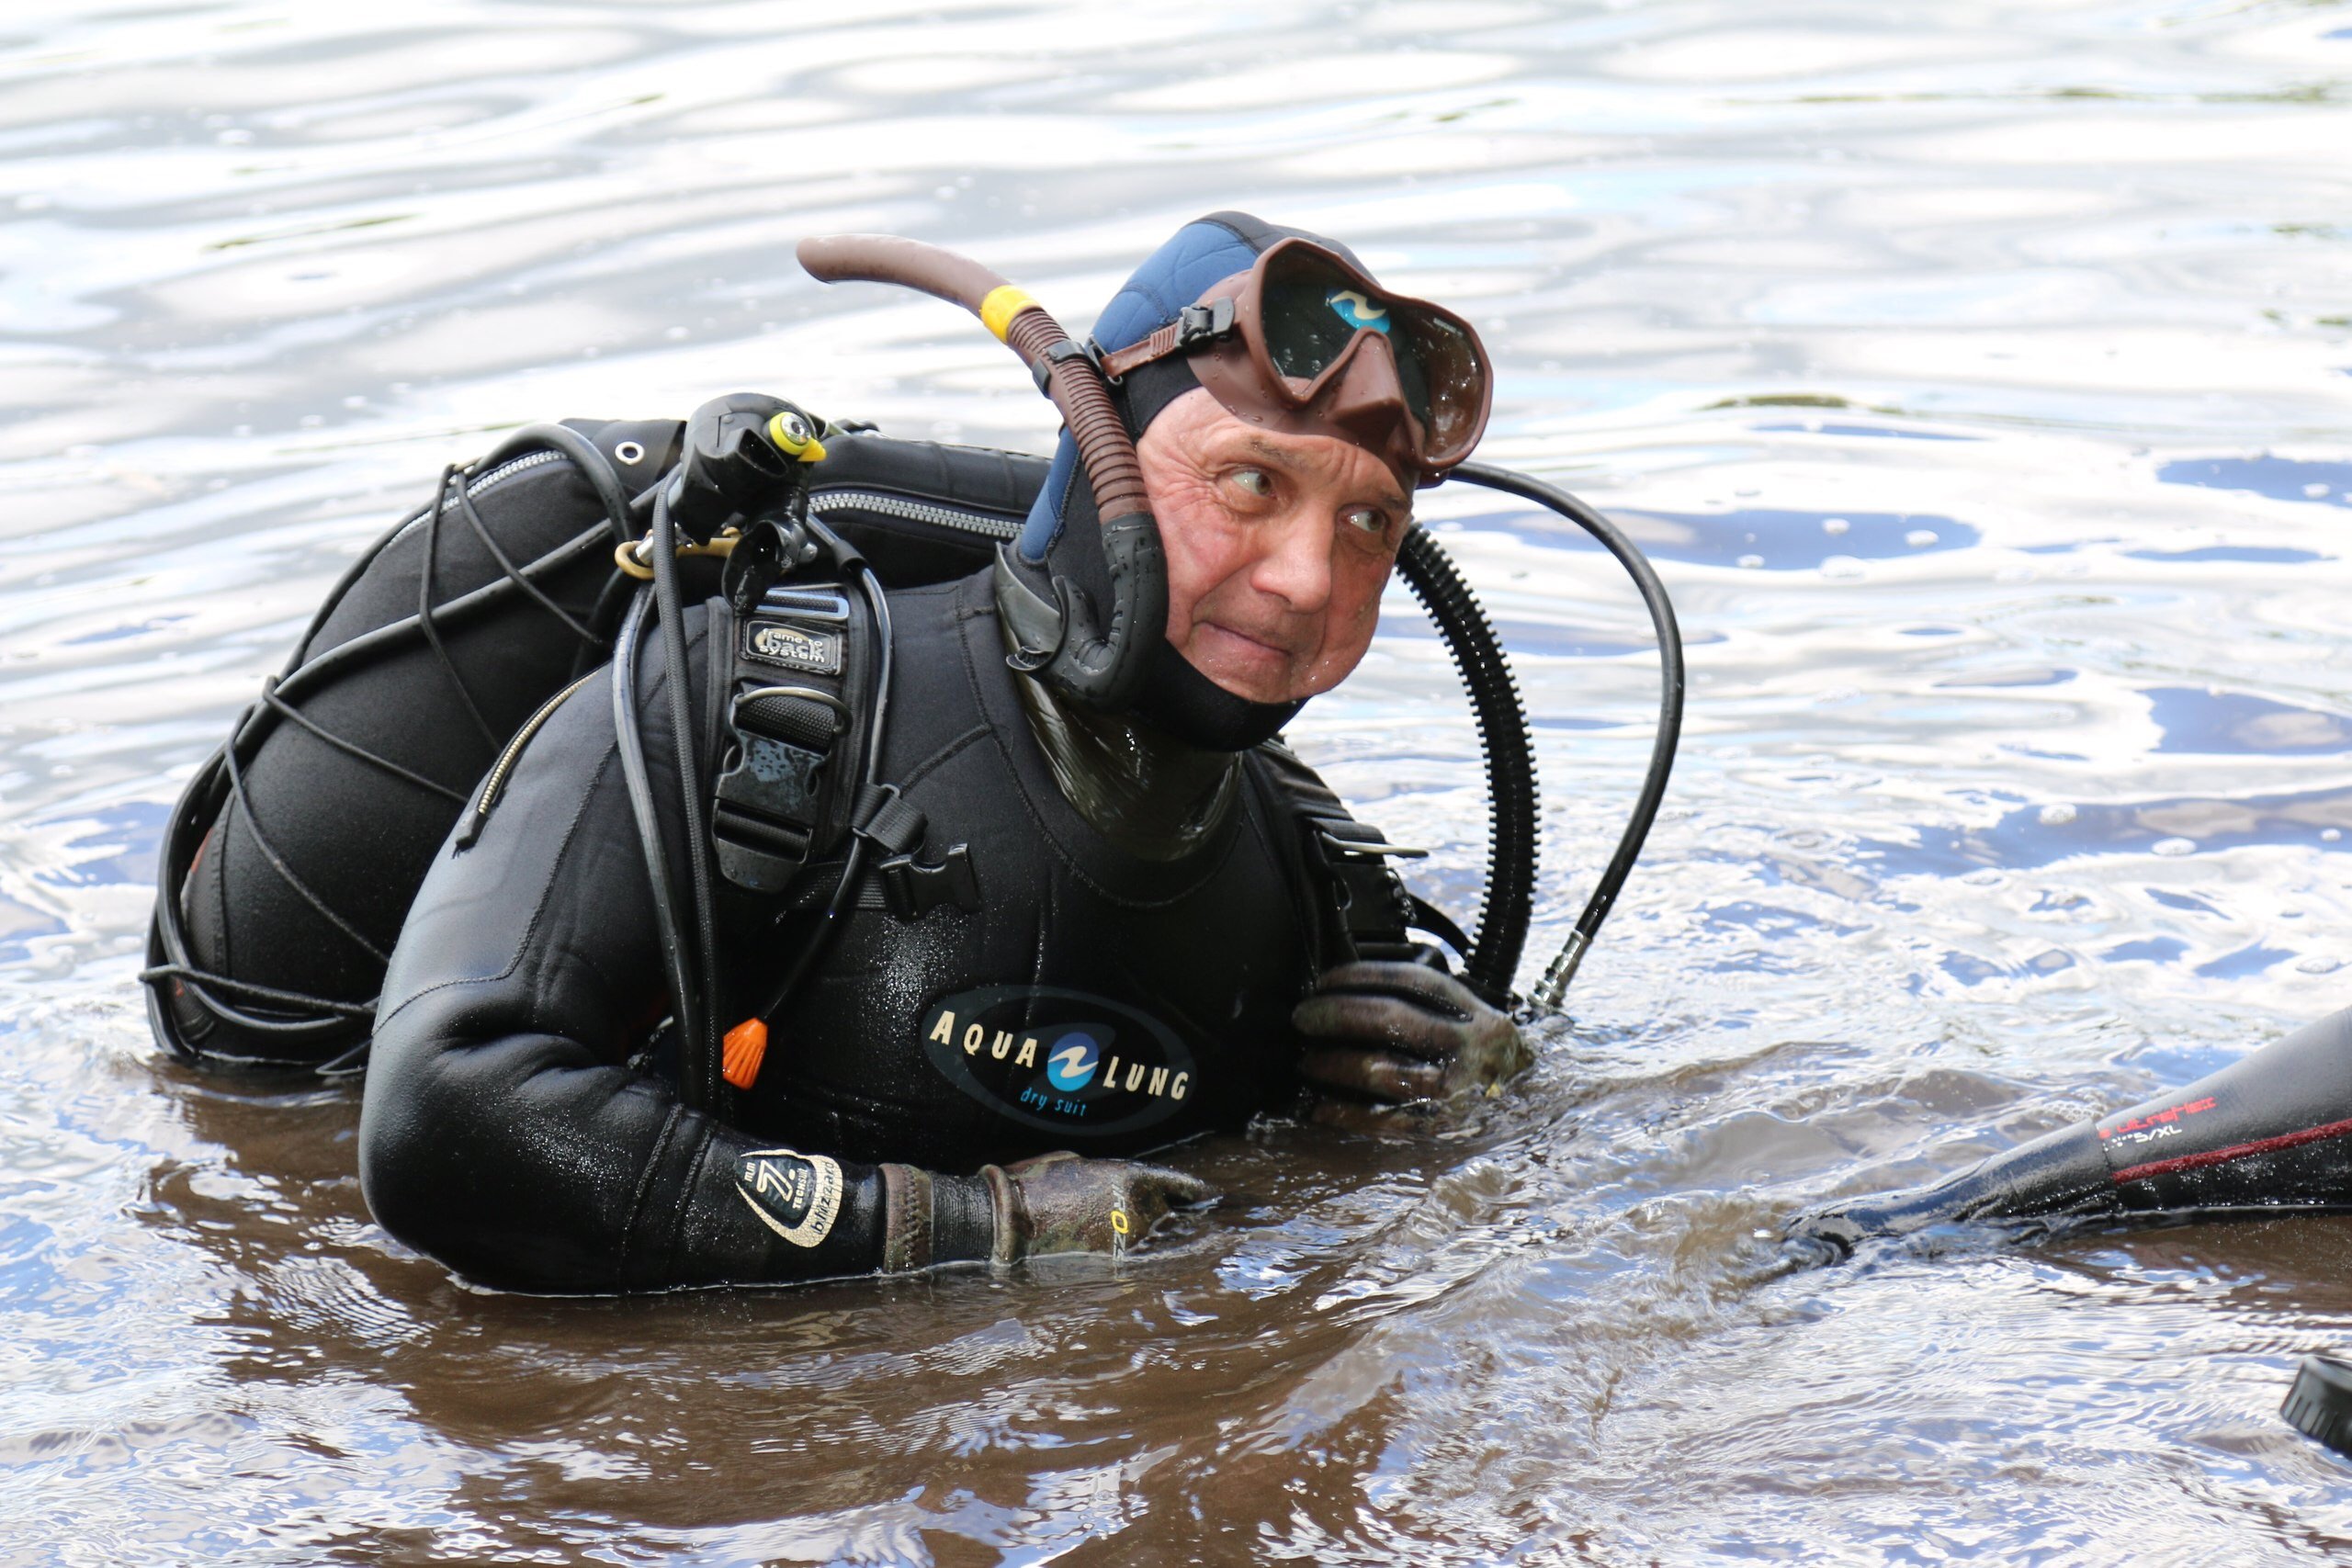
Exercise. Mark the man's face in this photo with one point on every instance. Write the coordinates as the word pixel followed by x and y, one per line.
pixel 1278 546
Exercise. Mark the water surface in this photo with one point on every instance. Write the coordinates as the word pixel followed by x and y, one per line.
pixel 1978 381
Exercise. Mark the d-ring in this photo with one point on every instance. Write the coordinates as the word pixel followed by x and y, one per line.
pixel 810 693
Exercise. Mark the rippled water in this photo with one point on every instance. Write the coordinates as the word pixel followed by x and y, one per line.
pixel 1977 377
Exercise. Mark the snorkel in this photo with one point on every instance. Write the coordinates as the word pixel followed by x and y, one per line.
pixel 1062 642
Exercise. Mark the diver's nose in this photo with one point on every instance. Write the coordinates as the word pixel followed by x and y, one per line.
pixel 1297 565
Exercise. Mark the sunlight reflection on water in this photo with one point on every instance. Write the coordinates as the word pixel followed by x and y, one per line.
pixel 1978 382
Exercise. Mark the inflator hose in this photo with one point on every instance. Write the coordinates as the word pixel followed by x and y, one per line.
pixel 678 962
pixel 1669 722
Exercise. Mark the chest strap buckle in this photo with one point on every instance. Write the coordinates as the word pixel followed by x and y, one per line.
pixel 765 808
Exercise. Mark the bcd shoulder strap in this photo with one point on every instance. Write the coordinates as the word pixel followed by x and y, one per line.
pixel 798 711
pixel 798 705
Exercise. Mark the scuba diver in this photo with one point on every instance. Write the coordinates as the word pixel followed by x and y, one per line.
pixel 2270 1133
pixel 898 842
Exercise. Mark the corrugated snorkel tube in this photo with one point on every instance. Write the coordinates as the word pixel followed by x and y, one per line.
pixel 1069 649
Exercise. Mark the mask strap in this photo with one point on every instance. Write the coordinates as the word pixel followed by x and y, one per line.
pixel 1194 325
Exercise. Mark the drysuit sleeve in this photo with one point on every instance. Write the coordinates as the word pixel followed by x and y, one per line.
pixel 503 1131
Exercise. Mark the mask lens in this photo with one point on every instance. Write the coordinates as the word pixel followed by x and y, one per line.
pixel 1447 372
pixel 1309 313
pixel 1309 310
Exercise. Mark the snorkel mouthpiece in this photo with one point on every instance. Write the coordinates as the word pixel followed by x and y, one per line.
pixel 1063 642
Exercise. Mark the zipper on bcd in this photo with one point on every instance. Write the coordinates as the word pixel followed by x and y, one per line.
pixel 913 511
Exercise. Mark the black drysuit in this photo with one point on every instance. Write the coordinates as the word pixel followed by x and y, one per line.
pixel 1093 1001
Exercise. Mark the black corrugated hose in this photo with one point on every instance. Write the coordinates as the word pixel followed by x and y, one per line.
pixel 1503 740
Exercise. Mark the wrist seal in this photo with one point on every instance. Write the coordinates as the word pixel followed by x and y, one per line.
pixel 930 1220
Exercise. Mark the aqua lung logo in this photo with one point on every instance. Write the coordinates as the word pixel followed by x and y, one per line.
pixel 795 648
pixel 1064 1061
pixel 1358 310
pixel 1071 1065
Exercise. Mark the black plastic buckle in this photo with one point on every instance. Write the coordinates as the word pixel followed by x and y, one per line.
pixel 885 819
pixel 766 808
pixel 914 891
pixel 1203 323
pixel 1062 352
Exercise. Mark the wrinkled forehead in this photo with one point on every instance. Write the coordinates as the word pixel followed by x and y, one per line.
pixel 1209 432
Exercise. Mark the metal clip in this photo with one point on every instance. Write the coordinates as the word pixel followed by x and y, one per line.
pixel 636 557
pixel 1366 846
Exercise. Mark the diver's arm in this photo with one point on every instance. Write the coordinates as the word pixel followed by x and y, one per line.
pixel 2271 1131
pixel 504 1132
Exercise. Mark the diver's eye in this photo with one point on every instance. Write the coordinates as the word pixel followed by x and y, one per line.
pixel 1369 519
pixel 1257 481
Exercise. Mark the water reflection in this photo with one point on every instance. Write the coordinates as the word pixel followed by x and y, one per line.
pixel 1977 379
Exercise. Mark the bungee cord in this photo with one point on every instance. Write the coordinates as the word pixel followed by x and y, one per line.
pixel 298 1017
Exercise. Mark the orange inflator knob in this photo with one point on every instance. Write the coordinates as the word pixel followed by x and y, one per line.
pixel 746 1048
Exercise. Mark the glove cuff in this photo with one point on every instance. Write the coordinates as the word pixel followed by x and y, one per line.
pixel 906 1228
pixel 1010 1214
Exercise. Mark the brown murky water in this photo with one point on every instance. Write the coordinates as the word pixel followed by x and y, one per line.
pixel 1978 377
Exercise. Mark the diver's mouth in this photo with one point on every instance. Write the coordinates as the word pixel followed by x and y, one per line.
pixel 1258 651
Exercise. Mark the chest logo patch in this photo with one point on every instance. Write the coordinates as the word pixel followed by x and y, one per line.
pixel 796 1195
pixel 1063 1060
pixel 796 648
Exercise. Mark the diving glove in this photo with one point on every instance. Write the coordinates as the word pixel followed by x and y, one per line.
pixel 1397 1032
pixel 1059 1203
pixel 1052 1203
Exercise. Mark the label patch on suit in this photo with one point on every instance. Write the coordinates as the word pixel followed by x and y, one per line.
pixel 811 649
pixel 796 1195
pixel 1063 1060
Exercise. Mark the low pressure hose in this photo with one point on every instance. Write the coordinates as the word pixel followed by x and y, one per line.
pixel 1073 652
pixel 1563 968
pixel 678 965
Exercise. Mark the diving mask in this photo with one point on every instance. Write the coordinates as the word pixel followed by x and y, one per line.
pixel 1306 343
